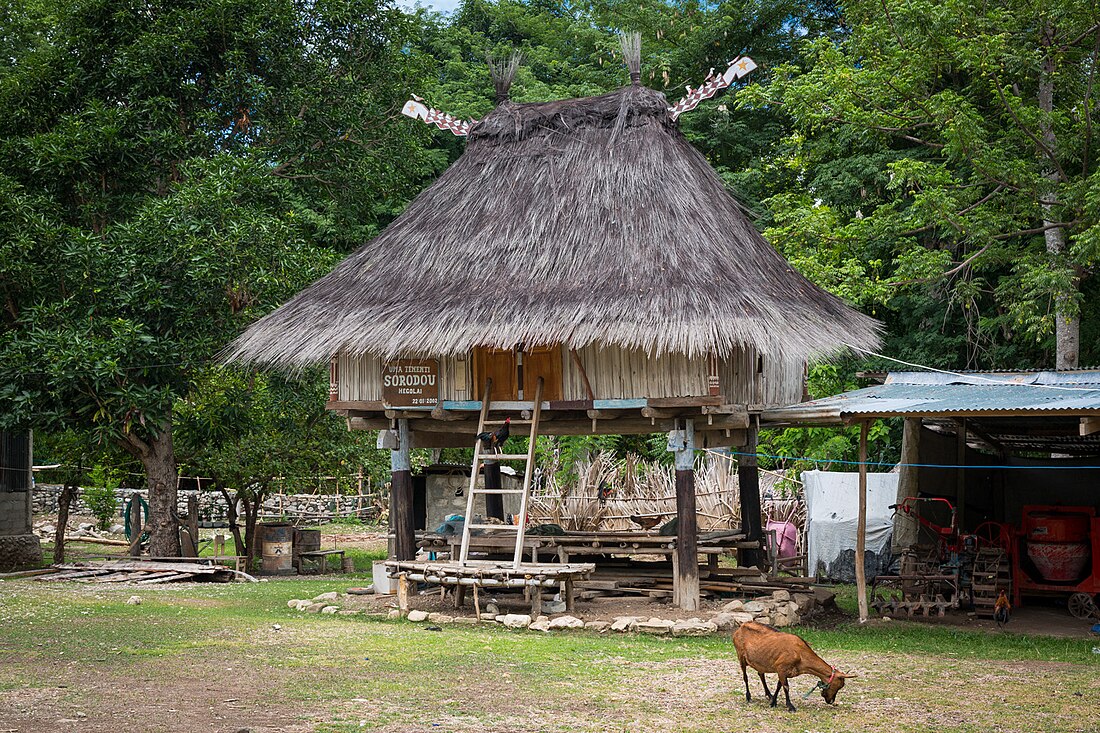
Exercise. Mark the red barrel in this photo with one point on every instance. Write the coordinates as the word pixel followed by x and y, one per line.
pixel 1059 562
pixel 1056 527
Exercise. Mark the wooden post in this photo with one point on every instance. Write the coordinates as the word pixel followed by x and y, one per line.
pixel 193 521
pixel 401 496
pixel 494 503
pixel 906 529
pixel 861 525
pixel 682 443
pixel 960 472
pixel 748 481
pixel 135 524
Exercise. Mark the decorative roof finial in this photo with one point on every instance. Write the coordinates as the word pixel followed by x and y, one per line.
pixel 631 45
pixel 503 72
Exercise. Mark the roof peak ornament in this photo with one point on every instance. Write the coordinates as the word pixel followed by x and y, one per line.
pixel 503 72
pixel 737 69
pixel 631 46
pixel 416 109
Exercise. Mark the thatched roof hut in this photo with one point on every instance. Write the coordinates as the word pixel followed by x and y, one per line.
pixel 575 222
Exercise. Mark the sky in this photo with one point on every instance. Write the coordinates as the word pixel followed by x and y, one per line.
pixel 443 6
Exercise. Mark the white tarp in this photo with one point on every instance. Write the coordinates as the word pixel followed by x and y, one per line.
pixel 832 512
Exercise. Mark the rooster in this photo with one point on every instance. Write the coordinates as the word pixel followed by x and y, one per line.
pixel 604 492
pixel 1001 610
pixel 493 440
pixel 645 522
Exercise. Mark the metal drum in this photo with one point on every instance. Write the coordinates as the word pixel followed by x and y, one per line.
pixel 278 549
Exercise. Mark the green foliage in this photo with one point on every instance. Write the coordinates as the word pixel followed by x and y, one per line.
pixel 100 495
pixel 920 139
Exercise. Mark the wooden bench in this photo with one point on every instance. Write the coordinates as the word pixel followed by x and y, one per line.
pixel 321 557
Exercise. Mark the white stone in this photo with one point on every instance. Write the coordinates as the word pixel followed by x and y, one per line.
pixel 517 620
pixel 754 607
pixel 492 609
pixel 293 603
pixel 599 627
pixel 694 627
pixel 330 610
pixel 314 607
pixel 440 618
pixel 331 596
pixel 553 606
pixel 623 624
pixel 657 626
pixel 133 601
pixel 116 529
pixel 734 605
pixel 781 596
pixel 393 613
pixel 418 616
pixel 805 602
pixel 567 622
pixel 541 625
pixel 85 527
pixel 465 620
pixel 725 621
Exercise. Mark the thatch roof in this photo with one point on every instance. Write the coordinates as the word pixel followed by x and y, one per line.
pixel 576 221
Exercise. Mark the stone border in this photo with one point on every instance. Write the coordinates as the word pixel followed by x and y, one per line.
pixel 779 609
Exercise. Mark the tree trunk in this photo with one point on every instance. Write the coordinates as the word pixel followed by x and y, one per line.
pixel 1067 322
pixel 68 492
pixel 231 519
pixel 159 459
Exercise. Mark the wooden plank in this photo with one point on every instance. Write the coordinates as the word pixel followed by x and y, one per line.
pixel 619 404
pixel 692 401
pixel 1090 425
pixel 165 578
pixel 361 405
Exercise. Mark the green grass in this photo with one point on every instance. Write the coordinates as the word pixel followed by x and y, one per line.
pixel 410 677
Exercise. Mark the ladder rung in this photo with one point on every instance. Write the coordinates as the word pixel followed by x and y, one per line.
pixel 498 491
pixel 512 527
pixel 503 456
pixel 501 422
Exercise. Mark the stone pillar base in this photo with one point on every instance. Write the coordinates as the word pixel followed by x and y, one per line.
pixel 20 549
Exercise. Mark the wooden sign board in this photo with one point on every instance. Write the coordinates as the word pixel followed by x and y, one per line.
pixel 411 383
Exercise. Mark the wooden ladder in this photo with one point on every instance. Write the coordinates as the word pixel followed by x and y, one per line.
pixel 481 456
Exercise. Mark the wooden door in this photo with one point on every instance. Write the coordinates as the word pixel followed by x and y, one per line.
pixel 500 366
pixel 545 362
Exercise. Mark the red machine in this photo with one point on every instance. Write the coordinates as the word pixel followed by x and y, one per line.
pixel 1056 550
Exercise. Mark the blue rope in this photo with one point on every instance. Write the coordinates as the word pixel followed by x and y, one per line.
pixel 911 465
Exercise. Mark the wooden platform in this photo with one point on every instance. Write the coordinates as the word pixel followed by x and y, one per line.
pixel 532 577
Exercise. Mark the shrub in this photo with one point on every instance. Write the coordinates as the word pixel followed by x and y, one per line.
pixel 100 496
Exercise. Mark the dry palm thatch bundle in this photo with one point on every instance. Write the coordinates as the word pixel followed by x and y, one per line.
pixel 634 488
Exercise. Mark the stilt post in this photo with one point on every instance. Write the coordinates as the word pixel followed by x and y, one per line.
pixel 861 525
pixel 401 496
pixel 748 483
pixel 682 443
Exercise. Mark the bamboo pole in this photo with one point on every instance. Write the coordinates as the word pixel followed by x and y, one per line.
pixel 861 526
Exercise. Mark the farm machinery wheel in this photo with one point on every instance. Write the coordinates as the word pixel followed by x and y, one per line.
pixel 1082 606
pixel 992 574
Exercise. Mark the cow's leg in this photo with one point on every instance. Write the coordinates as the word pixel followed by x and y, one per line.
pixel 786 690
pixel 764 682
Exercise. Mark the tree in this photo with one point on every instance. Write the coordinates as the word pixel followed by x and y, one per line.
pixel 169 172
pixel 973 127
pixel 248 430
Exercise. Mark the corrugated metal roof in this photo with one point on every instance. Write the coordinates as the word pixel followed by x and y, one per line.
pixel 927 393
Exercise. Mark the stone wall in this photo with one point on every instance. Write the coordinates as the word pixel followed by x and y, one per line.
pixel 212 506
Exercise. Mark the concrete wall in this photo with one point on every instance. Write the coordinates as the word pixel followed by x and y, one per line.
pixel 441 501
pixel 18 546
